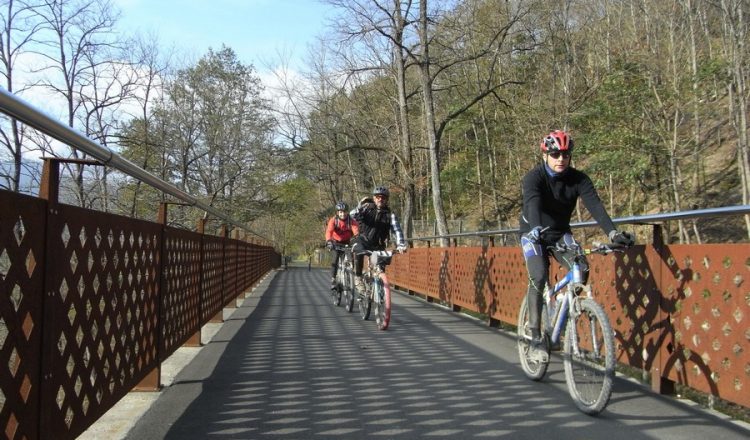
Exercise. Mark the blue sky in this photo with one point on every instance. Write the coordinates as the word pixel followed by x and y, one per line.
pixel 256 29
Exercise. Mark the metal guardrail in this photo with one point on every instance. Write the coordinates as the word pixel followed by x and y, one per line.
pixel 633 220
pixel 17 108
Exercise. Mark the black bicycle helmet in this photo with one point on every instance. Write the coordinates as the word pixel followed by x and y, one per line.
pixel 381 190
pixel 341 206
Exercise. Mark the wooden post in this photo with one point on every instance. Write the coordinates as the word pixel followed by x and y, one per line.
pixel 659 384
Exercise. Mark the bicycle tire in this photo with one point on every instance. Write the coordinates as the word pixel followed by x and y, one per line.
pixel 589 373
pixel 533 369
pixel 364 303
pixel 383 308
pixel 348 292
pixel 336 293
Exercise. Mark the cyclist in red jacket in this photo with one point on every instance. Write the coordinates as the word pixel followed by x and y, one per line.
pixel 341 228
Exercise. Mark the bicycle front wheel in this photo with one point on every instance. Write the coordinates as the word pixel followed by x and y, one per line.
pixel 383 302
pixel 336 293
pixel 589 357
pixel 348 291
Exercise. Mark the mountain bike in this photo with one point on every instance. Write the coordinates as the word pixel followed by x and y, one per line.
pixel 377 289
pixel 570 314
pixel 344 280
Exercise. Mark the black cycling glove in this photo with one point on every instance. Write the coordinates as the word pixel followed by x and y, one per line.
pixel 622 238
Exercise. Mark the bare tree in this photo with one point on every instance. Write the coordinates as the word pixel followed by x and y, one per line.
pixel 76 42
pixel 17 32
pixel 380 27
pixel 152 69
pixel 736 32
pixel 433 65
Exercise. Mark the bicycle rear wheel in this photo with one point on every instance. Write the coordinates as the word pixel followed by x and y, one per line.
pixel 534 369
pixel 589 356
pixel 382 296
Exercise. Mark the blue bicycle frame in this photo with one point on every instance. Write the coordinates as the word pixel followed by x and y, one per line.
pixel 574 275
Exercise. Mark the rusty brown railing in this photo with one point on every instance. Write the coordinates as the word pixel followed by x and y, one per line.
pixel 680 312
pixel 91 303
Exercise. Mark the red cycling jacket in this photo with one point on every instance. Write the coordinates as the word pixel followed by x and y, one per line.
pixel 341 230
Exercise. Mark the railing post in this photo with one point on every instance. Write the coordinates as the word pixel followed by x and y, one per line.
pixel 237 267
pixel 490 321
pixel 659 384
pixel 201 228
pixel 48 190
pixel 152 381
pixel 219 317
pixel 224 232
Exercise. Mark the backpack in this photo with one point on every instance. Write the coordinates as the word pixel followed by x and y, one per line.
pixel 348 222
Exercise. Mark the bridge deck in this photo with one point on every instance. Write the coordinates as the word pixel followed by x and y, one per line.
pixel 288 364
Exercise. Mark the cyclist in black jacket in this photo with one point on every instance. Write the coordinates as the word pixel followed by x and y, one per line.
pixel 550 193
pixel 376 222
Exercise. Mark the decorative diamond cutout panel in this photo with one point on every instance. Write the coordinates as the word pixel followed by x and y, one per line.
pixel 211 285
pixel 684 312
pixel 181 298
pixel 92 354
pixel 707 351
pixel 22 235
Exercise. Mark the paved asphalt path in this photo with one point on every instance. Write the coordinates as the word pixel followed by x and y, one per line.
pixel 290 365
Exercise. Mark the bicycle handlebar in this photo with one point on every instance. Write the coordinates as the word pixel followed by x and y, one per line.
pixel 606 248
pixel 383 253
pixel 599 248
pixel 342 247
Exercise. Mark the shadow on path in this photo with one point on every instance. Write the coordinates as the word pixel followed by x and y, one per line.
pixel 289 364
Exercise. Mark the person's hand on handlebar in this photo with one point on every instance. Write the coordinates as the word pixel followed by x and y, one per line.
pixel 401 249
pixel 534 234
pixel 622 238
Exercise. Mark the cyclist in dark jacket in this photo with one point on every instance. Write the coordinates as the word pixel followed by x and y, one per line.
pixel 376 222
pixel 550 193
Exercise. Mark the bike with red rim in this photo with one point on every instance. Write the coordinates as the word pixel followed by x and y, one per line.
pixel 377 293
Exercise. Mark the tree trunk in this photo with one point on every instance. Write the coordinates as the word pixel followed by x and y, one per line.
pixel 736 27
pixel 403 118
pixel 430 127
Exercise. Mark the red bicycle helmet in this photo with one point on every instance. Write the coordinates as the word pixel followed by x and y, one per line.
pixel 557 140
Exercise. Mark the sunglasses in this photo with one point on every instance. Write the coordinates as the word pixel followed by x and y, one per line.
pixel 557 154
pixel 380 196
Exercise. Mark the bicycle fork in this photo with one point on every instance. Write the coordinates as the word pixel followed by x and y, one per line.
pixel 575 312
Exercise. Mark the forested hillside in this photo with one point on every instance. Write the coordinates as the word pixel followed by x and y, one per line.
pixel 444 101
pixel 459 97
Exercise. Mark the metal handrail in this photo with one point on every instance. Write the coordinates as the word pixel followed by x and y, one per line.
pixel 17 108
pixel 633 220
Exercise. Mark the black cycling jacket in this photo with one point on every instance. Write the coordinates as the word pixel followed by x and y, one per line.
pixel 375 225
pixel 549 201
